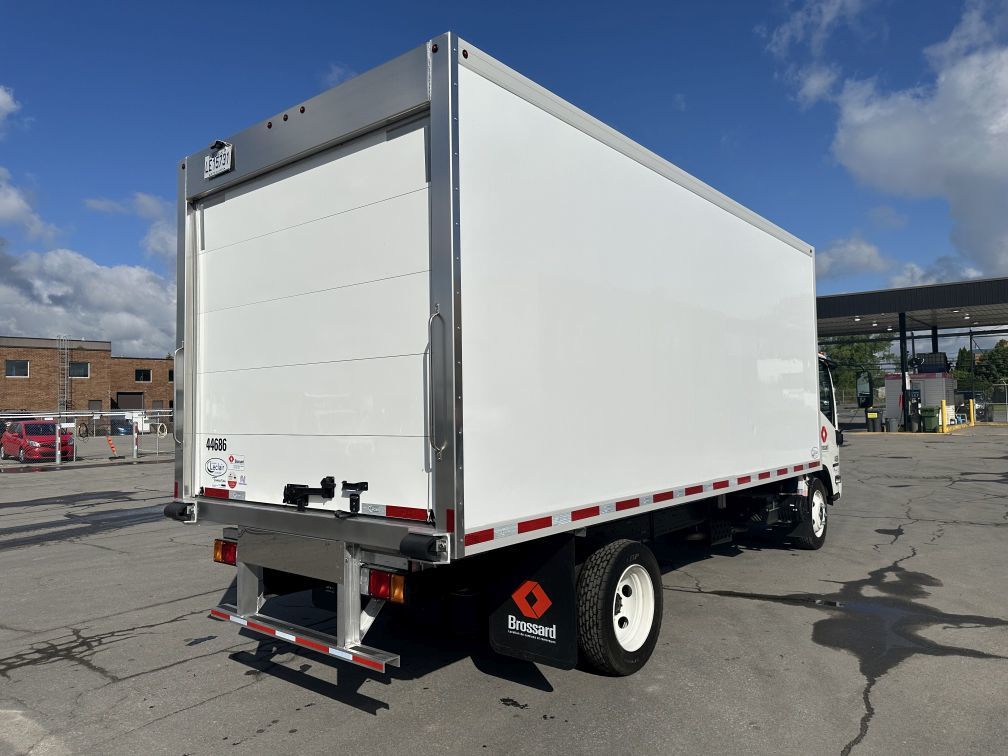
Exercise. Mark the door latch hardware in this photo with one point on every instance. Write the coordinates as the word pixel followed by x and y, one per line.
pixel 353 492
pixel 298 493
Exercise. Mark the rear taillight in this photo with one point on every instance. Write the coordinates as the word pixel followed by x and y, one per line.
pixel 225 552
pixel 385 585
pixel 175 494
pixel 398 592
pixel 380 584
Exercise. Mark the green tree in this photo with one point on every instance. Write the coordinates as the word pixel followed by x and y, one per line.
pixel 874 355
pixel 992 367
pixel 965 372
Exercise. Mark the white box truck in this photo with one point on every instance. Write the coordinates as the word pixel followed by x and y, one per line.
pixel 440 332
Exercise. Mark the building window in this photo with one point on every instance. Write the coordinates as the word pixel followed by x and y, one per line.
pixel 157 404
pixel 142 375
pixel 94 405
pixel 171 375
pixel 171 404
pixel 80 370
pixel 16 369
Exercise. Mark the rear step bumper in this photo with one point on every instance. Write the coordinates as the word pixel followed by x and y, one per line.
pixel 364 656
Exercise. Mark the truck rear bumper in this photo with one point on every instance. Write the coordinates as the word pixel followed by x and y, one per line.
pixel 364 656
pixel 376 533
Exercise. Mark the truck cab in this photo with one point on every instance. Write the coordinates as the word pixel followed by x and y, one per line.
pixel 830 435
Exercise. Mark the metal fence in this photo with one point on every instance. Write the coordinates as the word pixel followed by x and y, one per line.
pixel 977 377
pixel 103 435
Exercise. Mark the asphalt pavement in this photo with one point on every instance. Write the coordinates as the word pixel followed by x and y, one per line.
pixel 891 639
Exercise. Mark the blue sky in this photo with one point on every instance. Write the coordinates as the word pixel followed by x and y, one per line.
pixel 877 130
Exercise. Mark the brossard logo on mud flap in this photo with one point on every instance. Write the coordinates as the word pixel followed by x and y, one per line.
pixel 540 604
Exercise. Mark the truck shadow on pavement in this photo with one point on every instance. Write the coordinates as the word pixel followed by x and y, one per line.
pixel 422 642
pixel 419 636
pixel 878 619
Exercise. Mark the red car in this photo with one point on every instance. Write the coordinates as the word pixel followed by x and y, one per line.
pixel 34 440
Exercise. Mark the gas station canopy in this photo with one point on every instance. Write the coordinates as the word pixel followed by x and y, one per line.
pixel 962 305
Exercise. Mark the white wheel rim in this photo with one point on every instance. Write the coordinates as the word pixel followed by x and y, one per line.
pixel 818 514
pixel 633 607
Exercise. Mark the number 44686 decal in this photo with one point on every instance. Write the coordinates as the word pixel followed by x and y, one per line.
pixel 216 444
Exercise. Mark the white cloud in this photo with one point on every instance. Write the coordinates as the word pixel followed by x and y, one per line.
pixel 816 83
pixel 160 239
pixel 337 73
pixel 16 210
pixel 679 102
pixel 849 257
pixel 941 270
pixel 105 205
pixel 980 26
pixel 8 106
pixel 945 138
pixel 810 23
pixel 948 139
pixel 64 292
pixel 885 216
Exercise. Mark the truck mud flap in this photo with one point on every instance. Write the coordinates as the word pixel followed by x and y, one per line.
pixel 364 656
pixel 534 604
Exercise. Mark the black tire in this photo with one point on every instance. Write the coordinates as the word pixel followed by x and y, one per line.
pixel 596 599
pixel 806 536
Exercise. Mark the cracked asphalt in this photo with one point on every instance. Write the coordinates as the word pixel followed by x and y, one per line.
pixel 893 638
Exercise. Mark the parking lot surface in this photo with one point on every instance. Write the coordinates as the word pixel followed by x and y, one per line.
pixel 892 638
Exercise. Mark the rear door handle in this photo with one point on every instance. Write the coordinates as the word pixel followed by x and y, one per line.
pixel 432 434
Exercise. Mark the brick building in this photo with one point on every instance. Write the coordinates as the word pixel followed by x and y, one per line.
pixel 97 380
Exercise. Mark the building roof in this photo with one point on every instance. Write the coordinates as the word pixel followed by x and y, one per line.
pixel 959 305
pixel 30 342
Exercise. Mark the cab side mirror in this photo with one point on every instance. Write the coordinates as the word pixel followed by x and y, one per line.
pixel 865 390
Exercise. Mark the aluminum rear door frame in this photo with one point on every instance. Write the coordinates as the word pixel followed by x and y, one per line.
pixel 420 81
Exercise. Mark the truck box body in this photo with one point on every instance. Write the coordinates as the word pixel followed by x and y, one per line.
pixel 505 317
pixel 622 335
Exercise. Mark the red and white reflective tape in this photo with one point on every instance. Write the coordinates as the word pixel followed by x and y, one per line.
pixel 300 641
pixel 585 515
pixel 389 510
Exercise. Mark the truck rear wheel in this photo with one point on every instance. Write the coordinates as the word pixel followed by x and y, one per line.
pixel 812 532
pixel 619 607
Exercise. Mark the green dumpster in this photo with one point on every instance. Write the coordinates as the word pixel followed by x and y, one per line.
pixel 931 419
